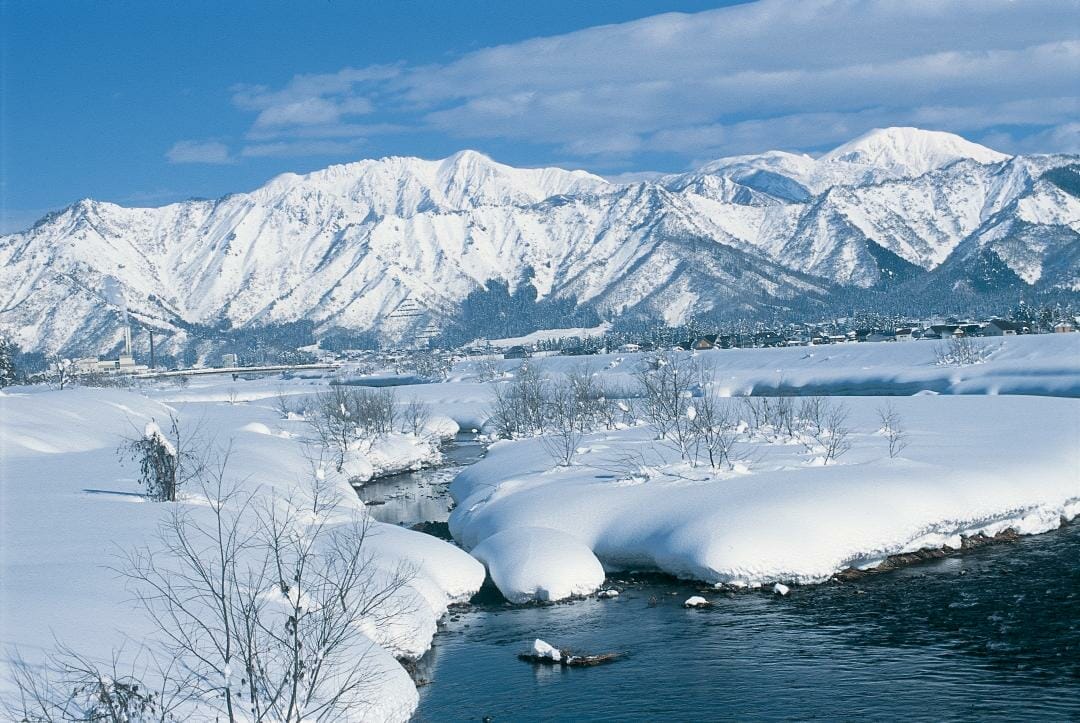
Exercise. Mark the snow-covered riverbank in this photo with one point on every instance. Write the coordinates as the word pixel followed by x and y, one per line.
pixel 70 507
pixel 972 465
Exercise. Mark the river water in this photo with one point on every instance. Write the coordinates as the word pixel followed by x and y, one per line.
pixel 990 635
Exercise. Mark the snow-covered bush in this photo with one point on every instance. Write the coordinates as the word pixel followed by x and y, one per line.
pixel 714 429
pixel 520 407
pixel 165 461
pixel 69 686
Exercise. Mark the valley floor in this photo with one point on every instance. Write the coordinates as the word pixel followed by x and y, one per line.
pixel 975 461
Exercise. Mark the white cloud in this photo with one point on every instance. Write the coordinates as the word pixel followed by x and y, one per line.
pixel 302 148
pixel 213 152
pixel 796 74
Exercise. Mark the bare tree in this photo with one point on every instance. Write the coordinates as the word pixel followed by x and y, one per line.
pixel 264 603
pixel 835 434
pixel 568 416
pixel 282 405
pixel 59 371
pixel 415 416
pixel 812 414
pixel 520 406
pixel 715 428
pixel 667 382
pixel 892 426
pixel 233 395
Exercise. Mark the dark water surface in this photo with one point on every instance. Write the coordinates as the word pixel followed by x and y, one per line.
pixel 420 496
pixel 993 634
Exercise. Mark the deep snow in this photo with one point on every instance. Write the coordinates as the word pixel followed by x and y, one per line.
pixel 70 506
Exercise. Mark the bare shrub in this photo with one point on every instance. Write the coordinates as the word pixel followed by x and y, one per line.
pixel 415 416
pixel 715 429
pixel 69 686
pixel 264 606
pixel 615 407
pixel 811 414
pixel 282 405
pixel 568 420
pixel 893 428
pixel 960 351
pixel 667 382
pixel 835 436
pixel 343 416
pixel 487 369
pixel 167 460
pixel 520 406
pixel 233 395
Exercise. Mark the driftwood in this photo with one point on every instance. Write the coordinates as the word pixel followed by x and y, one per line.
pixel 568 660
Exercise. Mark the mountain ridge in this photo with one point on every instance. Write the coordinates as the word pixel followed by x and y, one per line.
pixel 345 246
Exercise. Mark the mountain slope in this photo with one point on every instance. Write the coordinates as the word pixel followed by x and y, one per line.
pixel 348 245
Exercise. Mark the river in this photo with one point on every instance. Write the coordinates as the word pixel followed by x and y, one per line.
pixel 991 634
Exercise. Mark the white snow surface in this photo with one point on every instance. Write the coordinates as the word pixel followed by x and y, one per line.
pixel 539 563
pixel 70 505
pixel 974 464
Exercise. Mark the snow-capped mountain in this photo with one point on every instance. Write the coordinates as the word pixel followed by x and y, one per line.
pixel 348 245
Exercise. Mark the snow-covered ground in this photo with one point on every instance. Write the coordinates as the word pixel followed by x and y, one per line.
pixel 990 446
pixel 70 506
pixel 973 464
pixel 1033 364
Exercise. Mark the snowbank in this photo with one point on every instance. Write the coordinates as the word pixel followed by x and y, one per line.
pixel 70 505
pixel 974 464
pixel 389 454
pixel 536 563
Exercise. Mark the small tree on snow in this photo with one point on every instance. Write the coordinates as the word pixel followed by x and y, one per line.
pixel 164 460
pixel 893 429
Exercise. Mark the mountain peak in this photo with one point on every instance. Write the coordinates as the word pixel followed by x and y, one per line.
pixel 907 151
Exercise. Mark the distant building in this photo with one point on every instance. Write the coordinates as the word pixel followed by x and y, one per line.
pixel 516 352
pixel 945 331
pixel 1000 327
pixel 228 360
pixel 1064 327
pixel 704 342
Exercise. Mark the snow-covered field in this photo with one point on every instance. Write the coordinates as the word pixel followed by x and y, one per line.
pixel 990 446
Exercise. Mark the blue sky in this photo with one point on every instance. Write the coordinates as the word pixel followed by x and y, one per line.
pixel 144 103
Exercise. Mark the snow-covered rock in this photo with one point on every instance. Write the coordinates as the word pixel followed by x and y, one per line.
pixel 781 589
pixel 695 601
pixel 541 649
